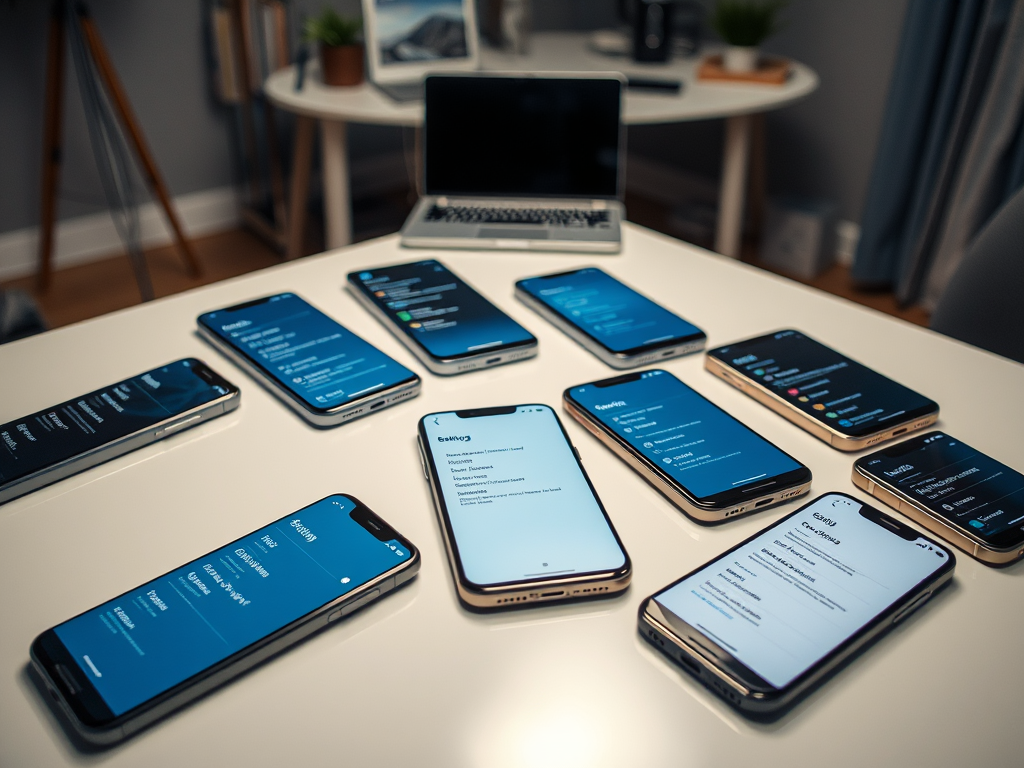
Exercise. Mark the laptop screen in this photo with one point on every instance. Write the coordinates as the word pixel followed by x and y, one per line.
pixel 522 136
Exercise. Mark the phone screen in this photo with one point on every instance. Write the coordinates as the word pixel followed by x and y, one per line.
pixel 612 314
pixel 518 503
pixel 321 362
pixel 48 437
pixel 958 483
pixel 158 635
pixel 438 311
pixel 785 599
pixel 688 438
pixel 833 389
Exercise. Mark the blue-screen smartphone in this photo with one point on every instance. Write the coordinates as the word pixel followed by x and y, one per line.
pixel 702 459
pixel 67 438
pixel 441 319
pixel 521 520
pixel 621 326
pixel 126 663
pixel 763 623
pixel 316 366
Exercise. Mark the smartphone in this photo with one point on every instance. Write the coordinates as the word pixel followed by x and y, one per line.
pixel 121 666
pixel 836 399
pixel 764 623
pixel 70 437
pixel 441 319
pixel 521 520
pixel 957 492
pixel 698 456
pixel 622 327
pixel 316 366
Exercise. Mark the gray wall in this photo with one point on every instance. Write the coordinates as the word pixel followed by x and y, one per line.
pixel 823 146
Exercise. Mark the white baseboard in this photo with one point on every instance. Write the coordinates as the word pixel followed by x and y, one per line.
pixel 89 238
pixel 93 237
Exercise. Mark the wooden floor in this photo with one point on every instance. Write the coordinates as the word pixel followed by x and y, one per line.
pixel 89 290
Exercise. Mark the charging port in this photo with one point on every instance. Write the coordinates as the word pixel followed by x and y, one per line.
pixel 493 360
pixel 900 431
pixel 559 593
pixel 689 663
pixel 378 405
pixel 763 502
pixel 666 354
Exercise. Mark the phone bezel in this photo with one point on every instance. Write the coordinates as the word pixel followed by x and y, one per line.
pixel 848 439
pixel 718 502
pixel 915 443
pixel 99 725
pixel 753 692
pixel 131 441
pixel 268 376
pixel 627 354
pixel 620 574
pixel 409 338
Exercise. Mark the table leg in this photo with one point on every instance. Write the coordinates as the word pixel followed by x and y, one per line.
pixel 301 160
pixel 734 177
pixel 337 201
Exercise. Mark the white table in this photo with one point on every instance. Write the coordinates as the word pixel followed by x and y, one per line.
pixel 417 680
pixel 550 51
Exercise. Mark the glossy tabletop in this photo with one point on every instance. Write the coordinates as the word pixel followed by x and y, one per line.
pixel 415 679
pixel 559 52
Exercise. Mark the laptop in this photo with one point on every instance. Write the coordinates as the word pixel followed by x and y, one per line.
pixel 521 162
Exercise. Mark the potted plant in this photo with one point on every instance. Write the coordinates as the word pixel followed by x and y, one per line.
pixel 743 25
pixel 341 46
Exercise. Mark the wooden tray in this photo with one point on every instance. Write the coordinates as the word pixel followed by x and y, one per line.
pixel 770 71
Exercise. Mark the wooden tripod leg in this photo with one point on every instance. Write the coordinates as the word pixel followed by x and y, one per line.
pixel 301 161
pixel 51 143
pixel 105 68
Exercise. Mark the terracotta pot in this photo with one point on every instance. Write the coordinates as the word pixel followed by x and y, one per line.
pixel 341 64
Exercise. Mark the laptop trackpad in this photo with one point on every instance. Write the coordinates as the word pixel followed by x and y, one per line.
pixel 514 233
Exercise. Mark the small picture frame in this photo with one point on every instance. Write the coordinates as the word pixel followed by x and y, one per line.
pixel 408 39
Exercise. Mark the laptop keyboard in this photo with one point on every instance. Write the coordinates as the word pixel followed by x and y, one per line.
pixel 565 217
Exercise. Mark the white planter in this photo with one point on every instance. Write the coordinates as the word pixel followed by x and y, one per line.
pixel 740 58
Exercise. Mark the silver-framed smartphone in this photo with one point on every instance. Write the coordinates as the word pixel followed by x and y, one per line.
pixel 123 665
pixel 521 521
pixel 443 320
pixel 704 461
pixel 955 491
pixel 80 433
pixel 618 324
pixel 836 399
pixel 765 622
pixel 313 364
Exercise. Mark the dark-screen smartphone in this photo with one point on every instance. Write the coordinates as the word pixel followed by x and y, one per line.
pixel 316 366
pixel 763 623
pixel 705 462
pixel 608 318
pixel 124 664
pixel 954 490
pixel 836 399
pixel 521 520
pixel 440 318
pixel 57 442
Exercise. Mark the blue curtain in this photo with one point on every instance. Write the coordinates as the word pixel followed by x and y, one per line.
pixel 951 149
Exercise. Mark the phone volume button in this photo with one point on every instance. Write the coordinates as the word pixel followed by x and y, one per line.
pixel 911 608
pixel 179 425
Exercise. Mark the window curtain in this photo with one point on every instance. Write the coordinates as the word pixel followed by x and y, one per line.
pixel 951 149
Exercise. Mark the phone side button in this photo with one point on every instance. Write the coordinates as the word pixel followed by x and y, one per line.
pixel 911 608
pixel 370 596
pixel 179 425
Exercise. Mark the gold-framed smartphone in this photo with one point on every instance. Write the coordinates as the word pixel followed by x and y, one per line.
pixel 955 491
pixel 704 461
pixel 836 399
pixel 521 521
